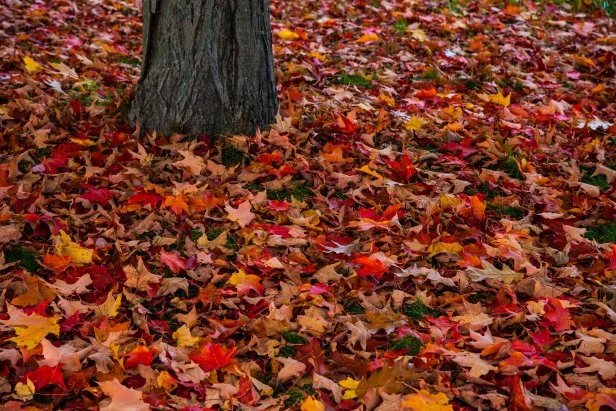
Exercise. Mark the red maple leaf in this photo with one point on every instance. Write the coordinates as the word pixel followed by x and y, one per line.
pixel 140 355
pixel 173 261
pixel 557 315
pixel 370 267
pixel 212 356
pixel 146 198
pixel 403 169
pixel 46 375
pixel 97 195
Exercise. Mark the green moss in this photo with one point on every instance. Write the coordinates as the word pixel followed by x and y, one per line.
pixel 400 26
pixel 353 307
pixel 408 342
pixel 605 233
pixel 417 310
pixel 294 338
pixel 25 258
pixel 506 211
pixel 597 181
pixel 231 156
pixel 354 80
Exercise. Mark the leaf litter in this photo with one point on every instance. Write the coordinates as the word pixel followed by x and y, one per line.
pixel 428 225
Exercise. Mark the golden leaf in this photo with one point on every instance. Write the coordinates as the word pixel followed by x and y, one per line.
pixel 36 292
pixel 31 66
pixel 287 35
pixel 500 99
pixel 414 124
pixel 312 404
pixel 66 247
pixel 368 38
pixel 30 329
pixel 184 338
pixel 425 401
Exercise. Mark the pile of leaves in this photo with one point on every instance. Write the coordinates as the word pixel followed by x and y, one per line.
pixel 430 224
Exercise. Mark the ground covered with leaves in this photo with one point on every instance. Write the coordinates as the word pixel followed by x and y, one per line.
pixel 429 225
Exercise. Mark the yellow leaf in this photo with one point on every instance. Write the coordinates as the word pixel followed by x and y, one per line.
pixel 312 404
pixel 288 35
pixel 30 329
pixel 245 282
pixel 184 338
pixel 31 66
pixel 25 391
pixel 367 170
pixel 418 35
pixel 110 306
pixel 166 381
pixel 439 248
pixel 500 99
pixel 387 99
pixel 425 401
pixel 350 384
pixel 66 247
pixel 415 123
pixel 368 38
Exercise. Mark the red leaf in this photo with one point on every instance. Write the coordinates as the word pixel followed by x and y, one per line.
pixel 557 315
pixel 212 356
pixel 46 375
pixel 140 355
pixel 370 267
pixel 97 195
pixel 173 261
pixel 146 198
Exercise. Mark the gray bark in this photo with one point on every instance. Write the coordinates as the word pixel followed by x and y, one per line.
pixel 207 67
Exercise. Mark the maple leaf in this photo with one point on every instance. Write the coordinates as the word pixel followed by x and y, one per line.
pixel 241 214
pixel 557 315
pixel 66 247
pixel 191 162
pixel 122 398
pixel 403 169
pixel 25 391
pixel 368 38
pixel 312 404
pixel 423 400
pixel 139 278
pixel 147 198
pixel 506 275
pixel 97 195
pixel 36 292
pixel 56 262
pixel 350 385
pixel 184 338
pixel 500 99
pixel 177 204
pixel 246 282
pixel 287 35
pixel 370 267
pixel 31 66
pixel 212 356
pixel 46 375
pixel 414 124
pixel 30 329
pixel 140 355
pixel 173 261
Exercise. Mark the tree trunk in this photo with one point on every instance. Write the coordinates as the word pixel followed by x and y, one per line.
pixel 207 67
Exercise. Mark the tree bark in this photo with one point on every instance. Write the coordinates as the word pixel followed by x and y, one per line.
pixel 207 67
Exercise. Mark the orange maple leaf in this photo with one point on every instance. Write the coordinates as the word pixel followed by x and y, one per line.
pixel 177 204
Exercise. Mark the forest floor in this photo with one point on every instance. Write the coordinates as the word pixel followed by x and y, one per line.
pixel 431 224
